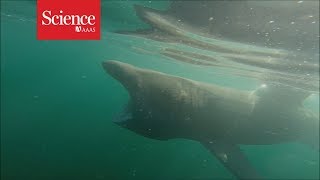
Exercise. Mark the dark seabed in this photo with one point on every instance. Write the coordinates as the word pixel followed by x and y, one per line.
pixel 57 105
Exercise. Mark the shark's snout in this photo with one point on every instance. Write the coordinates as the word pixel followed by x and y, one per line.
pixel 114 68
pixel 146 14
pixel 140 11
pixel 118 70
pixel 126 74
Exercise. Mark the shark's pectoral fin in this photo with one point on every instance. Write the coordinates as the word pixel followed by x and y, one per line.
pixel 233 159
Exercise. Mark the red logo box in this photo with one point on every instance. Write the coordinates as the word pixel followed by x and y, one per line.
pixel 68 19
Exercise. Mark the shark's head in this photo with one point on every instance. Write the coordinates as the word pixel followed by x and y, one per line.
pixel 158 19
pixel 144 13
pixel 137 115
pixel 124 73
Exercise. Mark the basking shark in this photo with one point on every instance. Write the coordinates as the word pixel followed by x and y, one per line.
pixel 240 45
pixel 164 107
pixel 289 25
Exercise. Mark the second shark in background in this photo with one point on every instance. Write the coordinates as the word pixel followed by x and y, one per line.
pixel 248 33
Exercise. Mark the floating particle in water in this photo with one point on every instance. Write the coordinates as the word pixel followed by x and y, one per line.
pixel 84 77
pixel 313 22
pixel 188 119
pixel 271 22
pixel 292 22
pixel 223 157
pixel 134 172
pixel 310 162
pixel 35 97
pixel 211 18
pixel 204 164
pixel 299 2
pixel 271 132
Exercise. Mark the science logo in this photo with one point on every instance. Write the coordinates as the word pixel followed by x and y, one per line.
pixel 68 19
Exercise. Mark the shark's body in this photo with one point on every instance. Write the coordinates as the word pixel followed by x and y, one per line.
pixel 166 107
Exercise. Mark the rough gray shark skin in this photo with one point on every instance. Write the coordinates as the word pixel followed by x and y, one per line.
pixel 165 107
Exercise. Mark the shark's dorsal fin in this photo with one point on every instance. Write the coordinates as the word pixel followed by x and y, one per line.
pixel 231 156
pixel 276 94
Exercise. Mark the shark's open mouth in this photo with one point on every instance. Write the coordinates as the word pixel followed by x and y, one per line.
pixel 123 116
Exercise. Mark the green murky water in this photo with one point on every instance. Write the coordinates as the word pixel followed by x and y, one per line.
pixel 57 104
